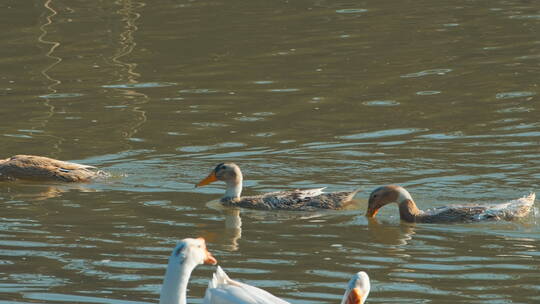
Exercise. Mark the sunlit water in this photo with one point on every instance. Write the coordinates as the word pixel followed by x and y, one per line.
pixel 441 98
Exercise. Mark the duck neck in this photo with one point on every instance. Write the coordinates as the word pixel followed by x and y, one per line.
pixel 234 189
pixel 175 283
pixel 408 210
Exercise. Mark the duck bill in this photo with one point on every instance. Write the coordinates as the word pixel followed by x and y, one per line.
pixel 371 212
pixel 354 297
pixel 210 259
pixel 209 179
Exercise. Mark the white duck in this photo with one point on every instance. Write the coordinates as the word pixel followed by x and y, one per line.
pixel 223 290
pixel 188 254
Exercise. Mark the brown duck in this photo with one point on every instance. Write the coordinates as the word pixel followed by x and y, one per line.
pixel 39 168
pixel 409 212
pixel 295 200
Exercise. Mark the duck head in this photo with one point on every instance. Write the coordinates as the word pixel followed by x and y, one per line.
pixel 385 195
pixel 230 174
pixel 193 251
pixel 357 289
pixel 188 254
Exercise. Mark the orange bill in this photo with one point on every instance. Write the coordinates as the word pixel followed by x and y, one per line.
pixel 209 179
pixel 355 297
pixel 209 259
pixel 371 212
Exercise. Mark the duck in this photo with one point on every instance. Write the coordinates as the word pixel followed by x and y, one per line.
pixel 409 212
pixel 294 200
pixel 192 252
pixel 40 168
pixel 186 255
pixel 222 289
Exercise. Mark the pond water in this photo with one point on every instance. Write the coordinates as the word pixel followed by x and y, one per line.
pixel 440 97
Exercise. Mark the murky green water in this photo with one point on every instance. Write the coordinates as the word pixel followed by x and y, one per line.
pixel 441 97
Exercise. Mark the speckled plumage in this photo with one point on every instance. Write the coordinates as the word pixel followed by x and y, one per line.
pixel 295 200
pixel 31 167
pixel 409 212
pixel 471 213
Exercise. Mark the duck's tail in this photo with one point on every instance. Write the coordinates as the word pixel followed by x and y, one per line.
pixel 218 278
pixel 353 193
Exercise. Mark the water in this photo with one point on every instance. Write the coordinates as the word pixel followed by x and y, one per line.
pixel 440 98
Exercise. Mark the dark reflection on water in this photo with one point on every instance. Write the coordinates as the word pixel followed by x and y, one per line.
pixel 441 98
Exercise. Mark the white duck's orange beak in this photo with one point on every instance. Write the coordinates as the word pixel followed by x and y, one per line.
pixel 355 296
pixel 209 258
pixel 209 179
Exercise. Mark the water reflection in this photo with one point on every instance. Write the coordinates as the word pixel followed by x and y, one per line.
pixel 385 233
pixel 233 227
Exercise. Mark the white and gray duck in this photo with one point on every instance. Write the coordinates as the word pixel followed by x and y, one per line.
pixel 295 200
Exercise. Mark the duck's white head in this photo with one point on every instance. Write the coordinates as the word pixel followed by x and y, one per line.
pixel 186 255
pixel 192 251
pixel 385 195
pixel 230 174
pixel 357 289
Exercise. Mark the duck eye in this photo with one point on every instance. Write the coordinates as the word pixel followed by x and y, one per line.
pixel 374 195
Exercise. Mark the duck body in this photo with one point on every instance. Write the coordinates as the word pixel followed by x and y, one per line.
pixel 39 168
pixel 409 212
pixel 294 200
pixel 221 289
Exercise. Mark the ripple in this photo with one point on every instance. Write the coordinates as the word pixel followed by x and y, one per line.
pixel 428 93
pixel 61 95
pixel 427 73
pixel 509 95
pixel 381 103
pixel 444 136
pixel 265 134
pixel 515 110
pixel 199 91
pixel 283 90
pixel 521 17
pixel 38 279
pixel 209 124
pixel 18 135
pixel 527 57
pixel 129 265
pixel 264 114
pixel 351 10
pixel 58 297
pixel 139 85
pixel 383 133
pixel 247 118
pixel 207 148
pixel 30 131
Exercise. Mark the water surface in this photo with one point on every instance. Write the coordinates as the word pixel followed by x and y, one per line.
pixel 441 98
